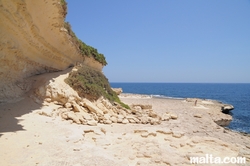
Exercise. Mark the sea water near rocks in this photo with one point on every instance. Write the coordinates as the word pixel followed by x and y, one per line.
pixel 236 94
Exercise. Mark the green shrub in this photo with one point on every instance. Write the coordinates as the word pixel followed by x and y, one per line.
pixel 85 49
pixel 92 84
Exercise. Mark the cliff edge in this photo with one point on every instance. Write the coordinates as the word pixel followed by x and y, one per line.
pixel 33 41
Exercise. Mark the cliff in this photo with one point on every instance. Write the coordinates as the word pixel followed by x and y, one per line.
pixel 33 41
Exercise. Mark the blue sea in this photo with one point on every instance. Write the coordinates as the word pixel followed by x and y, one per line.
pixel 236 94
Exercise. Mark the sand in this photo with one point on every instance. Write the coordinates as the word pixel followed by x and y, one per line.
pixel 28 139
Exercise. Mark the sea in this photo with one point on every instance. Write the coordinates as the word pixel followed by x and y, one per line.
pixel 236 94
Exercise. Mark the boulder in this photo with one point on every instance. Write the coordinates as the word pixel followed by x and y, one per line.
pixel 226 108
pixel 125 121
pixel 92 107
pixel 92 123
pixel 119 120
pixel 113 119
pixel 107 121
pixel 87 116
pixel 144 119
pixel 71 115
pixel 103 108
pixel 76 107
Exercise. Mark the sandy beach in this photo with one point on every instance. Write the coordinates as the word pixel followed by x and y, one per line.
pixel 28 138
pixel 56 104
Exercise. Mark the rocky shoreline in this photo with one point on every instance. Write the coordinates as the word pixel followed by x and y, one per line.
pixel 60 128
pixel 218 110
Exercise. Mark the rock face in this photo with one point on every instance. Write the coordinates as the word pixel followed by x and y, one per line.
pixel 33 40
pixel 226 108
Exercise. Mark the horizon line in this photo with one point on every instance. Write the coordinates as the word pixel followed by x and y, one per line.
pixel 183 82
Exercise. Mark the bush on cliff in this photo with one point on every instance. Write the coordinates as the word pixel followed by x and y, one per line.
pixel 92 84
pixel 85 49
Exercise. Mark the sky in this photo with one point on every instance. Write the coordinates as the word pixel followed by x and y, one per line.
pixel 196 41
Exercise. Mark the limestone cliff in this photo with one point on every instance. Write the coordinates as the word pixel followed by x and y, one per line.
pixel 33 40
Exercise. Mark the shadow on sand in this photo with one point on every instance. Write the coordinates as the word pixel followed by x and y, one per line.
pixel 10 113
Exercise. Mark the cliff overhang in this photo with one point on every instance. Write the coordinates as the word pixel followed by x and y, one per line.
pixel 33 40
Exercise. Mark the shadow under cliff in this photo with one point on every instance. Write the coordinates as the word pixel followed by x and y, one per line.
pixel 11 113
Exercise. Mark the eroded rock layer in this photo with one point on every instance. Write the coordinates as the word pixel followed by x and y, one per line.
pixel 33 40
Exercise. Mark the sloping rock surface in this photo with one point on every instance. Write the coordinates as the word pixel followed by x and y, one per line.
pixel 33 40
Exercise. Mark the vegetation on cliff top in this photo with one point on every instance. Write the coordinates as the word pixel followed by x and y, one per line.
pixel 85 49
pixel 92 84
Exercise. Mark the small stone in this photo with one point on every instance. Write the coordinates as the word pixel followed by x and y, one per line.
pixel 103 130
pixel 144 120
pixel 125 121
pixel 119 120
pixel 173 116
pixel 77 108
pixel 92 123
pixel 113 119
pixel 120 116
pixel 165 117
pixel 152 114
pixel 131 121
pixel 197 115
pixel 107 121
pixel 67 105
pixel 107 116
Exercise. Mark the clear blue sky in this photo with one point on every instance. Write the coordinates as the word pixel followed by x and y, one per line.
pixel 167 40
